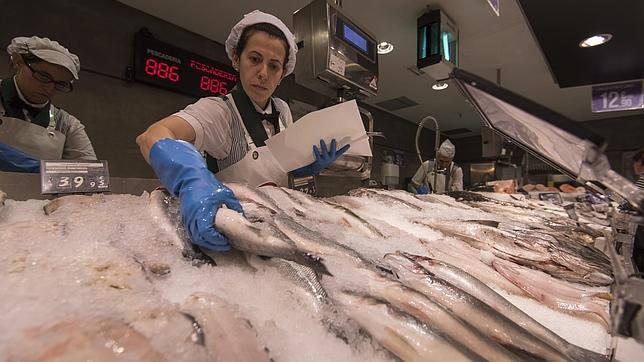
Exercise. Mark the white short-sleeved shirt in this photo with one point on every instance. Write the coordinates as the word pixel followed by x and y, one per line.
pixel 211 119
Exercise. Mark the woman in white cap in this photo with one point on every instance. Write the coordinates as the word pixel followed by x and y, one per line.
pixel 31 128
pixel 231 130
pixel 450 176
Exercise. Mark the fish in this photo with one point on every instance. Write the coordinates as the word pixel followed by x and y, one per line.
pixel 385 197
pixel 96 339
pixel 479 290
pixel 302 276
pixel 249 194
pixel 78 200
pixel 549 292
pixel 227 336
pixel 351 270
pixel 474 311
pixel 570 261
pixel 469 260
pixel 435 199
pixel 248 237
pixel 364 279
pixel 334 213
pixel 488 238
pixel 3 197
pixel 165 211
pixel 172 332
pixel 401 334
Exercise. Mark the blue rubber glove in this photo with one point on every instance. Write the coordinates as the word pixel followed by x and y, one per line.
pixel 183 171
pixel 323 158
pixel 14 160
pixel 422 190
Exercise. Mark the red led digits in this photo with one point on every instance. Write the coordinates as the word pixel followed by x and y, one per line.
pixel 161 70
pixel 213 85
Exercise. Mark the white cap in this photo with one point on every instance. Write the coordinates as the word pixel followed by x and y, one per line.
pixel 447 149
pixel 47 50
pixel 256 17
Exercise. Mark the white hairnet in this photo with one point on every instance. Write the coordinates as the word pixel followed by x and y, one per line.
pixel 256 17
pixel 47 50
pixel 447 149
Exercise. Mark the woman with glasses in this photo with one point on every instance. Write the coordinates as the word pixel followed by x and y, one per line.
pixel 31 128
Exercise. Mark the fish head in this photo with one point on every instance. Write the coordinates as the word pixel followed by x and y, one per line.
pixel 402 266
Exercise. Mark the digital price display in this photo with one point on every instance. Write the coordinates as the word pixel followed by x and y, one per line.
pixel 164 65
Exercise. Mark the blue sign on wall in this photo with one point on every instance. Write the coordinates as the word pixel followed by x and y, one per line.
pixel 617 97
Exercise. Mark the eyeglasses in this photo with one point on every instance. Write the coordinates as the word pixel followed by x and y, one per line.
pixel 43 77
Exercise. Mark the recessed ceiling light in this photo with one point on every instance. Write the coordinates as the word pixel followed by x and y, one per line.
pixel 595 40
pixel 439 86
pixel 384 47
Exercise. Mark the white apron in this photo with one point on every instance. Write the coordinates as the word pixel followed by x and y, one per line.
pixel 257 168
pixel 39 142
pixel 439 188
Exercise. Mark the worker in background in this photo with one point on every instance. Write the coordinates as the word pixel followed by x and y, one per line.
pixel 638 247
pixel 638 167
pixel 231 130
pixel 449 176
pixel 31 127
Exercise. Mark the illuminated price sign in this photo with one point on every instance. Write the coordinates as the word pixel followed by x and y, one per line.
pixel 617 97
pixel 70 176
pixel 167 66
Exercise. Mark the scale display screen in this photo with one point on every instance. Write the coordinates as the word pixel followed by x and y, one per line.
pixel 164 65
pixel 354 37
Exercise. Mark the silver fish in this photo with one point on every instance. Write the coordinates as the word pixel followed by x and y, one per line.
pixel 479 315
pixel 249 238
pixel 386 197
pixel 552 294
pixel 227 336
pixel 100 339
pixel 79 200
pixel 254 195
pixel 334 213
pixel 401 334
pixel 164 209
pixel 476 288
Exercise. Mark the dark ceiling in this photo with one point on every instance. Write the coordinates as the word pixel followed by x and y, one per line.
pixel 558 26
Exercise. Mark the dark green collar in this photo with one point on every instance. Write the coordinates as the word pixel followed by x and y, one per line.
pixel 14 106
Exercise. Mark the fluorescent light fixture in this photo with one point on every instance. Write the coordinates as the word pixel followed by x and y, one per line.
pixel 446 46
pixel 385 47
pixel 595 40
pixel 439 86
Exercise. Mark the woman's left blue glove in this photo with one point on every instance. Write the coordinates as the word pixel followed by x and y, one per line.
pixel 14 160
pixel 323 158
pixel 184 172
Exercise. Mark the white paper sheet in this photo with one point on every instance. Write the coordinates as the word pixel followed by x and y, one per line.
pixel 293 147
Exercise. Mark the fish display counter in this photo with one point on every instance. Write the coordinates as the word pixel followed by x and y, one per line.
pixel 373 274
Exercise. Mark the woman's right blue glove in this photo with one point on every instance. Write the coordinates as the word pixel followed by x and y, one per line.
pixel 183 171
pixel 14 160
pixel 422 190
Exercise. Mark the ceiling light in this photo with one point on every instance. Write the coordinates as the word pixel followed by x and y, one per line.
pixel 595 40
pixel 439 86
pixel 384 47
